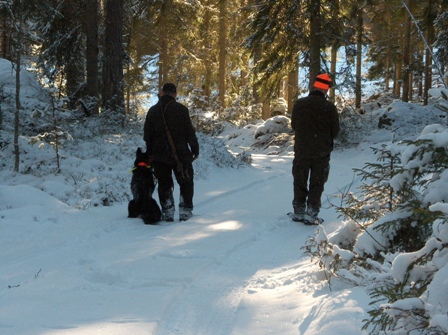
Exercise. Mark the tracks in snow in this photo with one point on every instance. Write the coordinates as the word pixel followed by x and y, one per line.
pixel 209 303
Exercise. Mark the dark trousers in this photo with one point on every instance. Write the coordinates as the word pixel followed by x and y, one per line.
pixel 164 174
pixel 315 170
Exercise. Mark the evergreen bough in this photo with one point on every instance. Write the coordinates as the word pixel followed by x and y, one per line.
pixel 397 239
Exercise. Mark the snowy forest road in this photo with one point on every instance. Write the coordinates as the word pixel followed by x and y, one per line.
pixel 250 235
pixel 210 302
pixel 235 268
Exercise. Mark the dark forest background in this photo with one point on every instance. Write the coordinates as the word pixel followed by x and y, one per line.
pixel 105 56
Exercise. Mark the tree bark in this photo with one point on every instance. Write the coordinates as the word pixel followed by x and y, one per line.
pixel 92 68
pixel 164 24
pixel 6 35
pixel 17 111
pixel 113 96
pixel 428 58
pixel 406 55
pixel 335 12
pixel 18 50
pixel 222 51
pixel 388 56
pixel 387 74
pixel 293 84
pixel 265 105
pixel 315 27
pixel 74 75
pixel 334 54
pixel 207 46
pixel 359 33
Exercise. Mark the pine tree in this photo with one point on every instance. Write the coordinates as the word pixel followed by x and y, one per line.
pixel 61 55
pixel 113 83
pixel 441 42
pixel 402 242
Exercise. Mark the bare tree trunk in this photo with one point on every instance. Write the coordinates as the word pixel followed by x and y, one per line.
pixel 315 25
pixel 222 51
pixel 113 96
pixel 293 85
pixel 334 54
pixel 428 76
pixel 18 49
pixel 17 111
pixel 397 78
pixel 265 109
pixel 74 75
pixel 406 56
pixel 92 68
pixel 428 53
pixel 256 87
pixel 163 61
pixel 387 75
pixel 334 51
pixel 6 35
pixel 265 104
pixel 207 61
pixel 165 14
pixel 419 77
pixel 281 89
pixel 359 33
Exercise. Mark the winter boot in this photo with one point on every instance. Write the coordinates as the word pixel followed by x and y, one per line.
pixel 168 215
pixel 185 213
pixel 299 212
pixel 311 217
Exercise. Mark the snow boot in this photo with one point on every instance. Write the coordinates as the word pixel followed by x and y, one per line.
pixel 299 212
pixel 185 214
pixel 168 215
pixel 311 217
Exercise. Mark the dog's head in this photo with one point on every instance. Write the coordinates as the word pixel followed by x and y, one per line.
pixel 142 159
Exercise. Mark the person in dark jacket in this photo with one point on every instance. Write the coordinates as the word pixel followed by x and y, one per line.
pixel 315 121
pixel 164 118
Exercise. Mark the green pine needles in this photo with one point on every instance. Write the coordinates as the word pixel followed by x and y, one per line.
pixel 394 236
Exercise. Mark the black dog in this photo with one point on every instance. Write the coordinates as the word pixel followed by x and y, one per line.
pixel 142 187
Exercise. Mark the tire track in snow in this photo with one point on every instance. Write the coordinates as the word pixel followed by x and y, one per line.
pixel 241 189
pixel 209 303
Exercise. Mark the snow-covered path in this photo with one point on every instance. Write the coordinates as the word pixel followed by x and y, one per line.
pixel 235 268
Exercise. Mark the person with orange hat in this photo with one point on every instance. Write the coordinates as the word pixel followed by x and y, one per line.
pixel 315 121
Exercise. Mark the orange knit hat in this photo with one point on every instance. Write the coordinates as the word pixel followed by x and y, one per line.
pixel 323 82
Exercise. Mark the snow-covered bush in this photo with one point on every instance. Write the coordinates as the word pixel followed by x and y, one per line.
pixel 279 106
pixel 353 126
pixel 215 153
pixel 441 96
pixel 395 235
pixel 210 118
pixel 272 136
pixel 413 299
pixel 276 124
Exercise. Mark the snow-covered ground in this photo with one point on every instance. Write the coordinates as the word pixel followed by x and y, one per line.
pixel 70 265
pixel 235 268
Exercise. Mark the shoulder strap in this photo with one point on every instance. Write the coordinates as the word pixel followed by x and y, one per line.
pixel 179 164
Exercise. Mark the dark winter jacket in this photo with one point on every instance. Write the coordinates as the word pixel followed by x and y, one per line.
pixel 315 121
pixel 179 124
